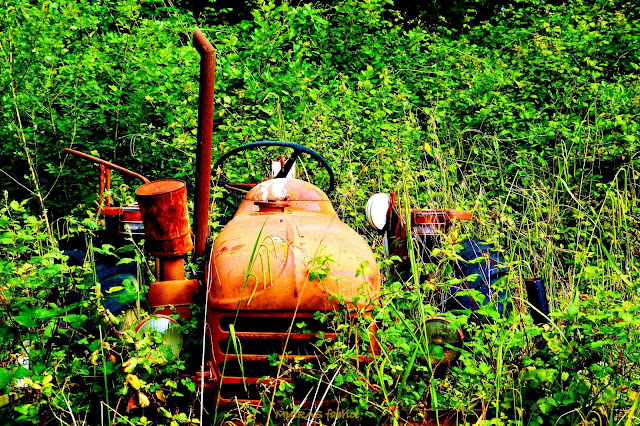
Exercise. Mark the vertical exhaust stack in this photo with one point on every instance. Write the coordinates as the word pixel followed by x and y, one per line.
pixel 163 206
pixel 205 132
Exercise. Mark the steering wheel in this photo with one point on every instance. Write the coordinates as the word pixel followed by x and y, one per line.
pixel 286 168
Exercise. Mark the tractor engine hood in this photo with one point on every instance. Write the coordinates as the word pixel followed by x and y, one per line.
pixel 286 249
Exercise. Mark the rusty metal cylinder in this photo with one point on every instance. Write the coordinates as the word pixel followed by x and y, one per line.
pixel 163 205
pixel 168 296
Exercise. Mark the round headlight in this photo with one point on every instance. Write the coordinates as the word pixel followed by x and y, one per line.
pixel 168 328
pixel 376 211
pixel 443 340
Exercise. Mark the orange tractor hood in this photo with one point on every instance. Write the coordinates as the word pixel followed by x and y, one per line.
pixel 274 254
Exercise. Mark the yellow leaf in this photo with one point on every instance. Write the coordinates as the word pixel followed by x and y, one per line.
pixel 133 381
pixel 32 384
pixel 160 396
pixel 143 400
pixel 94 358
pixel 130 365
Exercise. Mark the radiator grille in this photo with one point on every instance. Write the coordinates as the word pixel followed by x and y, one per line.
pixel 268 348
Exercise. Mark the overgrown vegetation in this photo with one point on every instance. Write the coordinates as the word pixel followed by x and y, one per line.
pixel 529 119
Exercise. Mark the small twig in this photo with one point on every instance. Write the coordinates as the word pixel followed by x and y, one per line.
pixel 116 413
pixel 18 183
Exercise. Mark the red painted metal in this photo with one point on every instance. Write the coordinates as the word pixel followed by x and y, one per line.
pixel 107 164
pixel 171 268
pixel 163 205
pixel 205 131
pixel 269 332
pixel 124 219
pixel 102 201
pixel 435 221
pixel 107 174
pixel 425 224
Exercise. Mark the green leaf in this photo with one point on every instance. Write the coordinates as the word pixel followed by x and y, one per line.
pixel 26 321
pixel 5 377
pixel 21 373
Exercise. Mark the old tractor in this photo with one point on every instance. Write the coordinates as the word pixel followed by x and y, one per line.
pixel 264 272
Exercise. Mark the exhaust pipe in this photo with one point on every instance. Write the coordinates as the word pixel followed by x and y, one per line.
pixel 205 132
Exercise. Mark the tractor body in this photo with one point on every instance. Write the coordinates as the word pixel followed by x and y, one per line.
pixel 283 257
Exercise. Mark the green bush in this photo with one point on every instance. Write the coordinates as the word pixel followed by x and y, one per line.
pixel 63 354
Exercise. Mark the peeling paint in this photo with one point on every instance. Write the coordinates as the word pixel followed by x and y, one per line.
pixel 272 190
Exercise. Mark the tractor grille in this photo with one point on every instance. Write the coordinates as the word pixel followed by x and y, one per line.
pixel 263 351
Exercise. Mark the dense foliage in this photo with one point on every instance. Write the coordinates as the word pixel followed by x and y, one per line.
pixel 528 117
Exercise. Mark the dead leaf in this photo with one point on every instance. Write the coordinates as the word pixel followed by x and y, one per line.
pixel 160 396
pixel 132 403
pixel 142 398
pixel 133 380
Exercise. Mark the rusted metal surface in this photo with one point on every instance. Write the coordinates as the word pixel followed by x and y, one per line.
pixel 260 276
pixel 178 294
pixel 124 220
pixel 426 226
pixel 104 201
pixel 163 205
pixel 435 221
pixel 105 185
pixel 288 241
pixel 107 164
pixel 107 177
pixel 260 333
pixel 130 220
pixel 205 132
pixel 170 268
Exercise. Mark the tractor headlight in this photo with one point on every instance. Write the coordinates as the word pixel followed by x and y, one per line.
pixel 443 340
pixel 377 209
pixel 168 328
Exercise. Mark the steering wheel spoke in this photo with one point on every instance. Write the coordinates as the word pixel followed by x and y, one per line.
pixel 298 150
pixel 288 165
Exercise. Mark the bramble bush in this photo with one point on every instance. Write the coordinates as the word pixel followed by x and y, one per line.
pixel 65 356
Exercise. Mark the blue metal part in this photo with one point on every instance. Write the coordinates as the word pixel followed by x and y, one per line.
pixel 537 295
pixel 109 275
pixel 486 272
